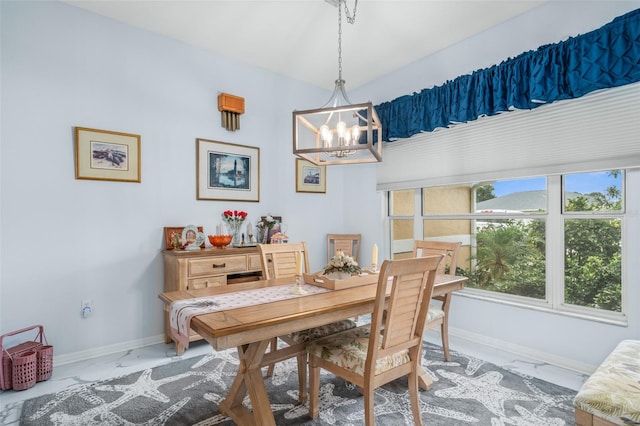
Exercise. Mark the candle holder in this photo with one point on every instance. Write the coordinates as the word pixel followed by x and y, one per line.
pixel 374 268
pixel 298 288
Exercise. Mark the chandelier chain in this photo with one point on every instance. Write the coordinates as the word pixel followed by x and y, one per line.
pixel 350 19
pixel 340 40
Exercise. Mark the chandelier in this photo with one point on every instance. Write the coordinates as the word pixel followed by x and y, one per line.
pixel 339 132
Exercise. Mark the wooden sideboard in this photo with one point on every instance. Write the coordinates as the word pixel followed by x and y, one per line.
pixel 189 270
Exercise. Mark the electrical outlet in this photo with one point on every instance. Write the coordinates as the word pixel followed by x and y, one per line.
pixel 86 308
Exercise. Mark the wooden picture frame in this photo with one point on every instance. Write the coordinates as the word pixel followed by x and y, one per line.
pixel 107 155
pixel 168 235
pixel 227 172
pixel 310 177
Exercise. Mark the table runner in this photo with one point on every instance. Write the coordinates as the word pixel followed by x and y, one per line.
pixel 181 311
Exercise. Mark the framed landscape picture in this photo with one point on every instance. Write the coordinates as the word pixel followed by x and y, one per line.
pixel 227 171
pixel 310 178
pixel 107 155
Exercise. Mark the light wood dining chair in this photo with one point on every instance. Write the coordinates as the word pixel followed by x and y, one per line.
pixel 348 243
pixel 438 315
pixel 279 261
pixel 369 358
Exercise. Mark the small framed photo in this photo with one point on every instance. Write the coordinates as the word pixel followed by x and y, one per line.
pixel 310 178
pixel 107 155
pixel 173 237
pixel 227 171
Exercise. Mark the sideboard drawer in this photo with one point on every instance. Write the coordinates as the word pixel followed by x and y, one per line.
pixel 211 281
pixel 254 262
pixel 217 265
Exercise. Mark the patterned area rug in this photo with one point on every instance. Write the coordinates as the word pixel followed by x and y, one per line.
pixel 187 392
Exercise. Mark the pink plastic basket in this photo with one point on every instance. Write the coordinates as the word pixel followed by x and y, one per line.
pixel 24 364
pixel 44 363
pixel 24 370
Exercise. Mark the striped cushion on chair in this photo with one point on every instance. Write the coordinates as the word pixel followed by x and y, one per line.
pixel 322 331
pixel 349 350
pixel 435 312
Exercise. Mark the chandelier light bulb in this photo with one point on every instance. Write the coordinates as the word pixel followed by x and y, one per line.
pixel 347 138
pixel 355 133
pixel 324 131
pixel 341 129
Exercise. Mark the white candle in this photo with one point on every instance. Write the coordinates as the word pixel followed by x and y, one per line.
pixel 298 263
pixel 249 229
pixel 374 255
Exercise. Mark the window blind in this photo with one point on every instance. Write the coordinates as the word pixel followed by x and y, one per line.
pixel 599 131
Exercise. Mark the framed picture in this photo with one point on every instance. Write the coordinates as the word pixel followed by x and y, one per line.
pixel 227 171
pixel 173 236
pixel 310 178
pixel 106 155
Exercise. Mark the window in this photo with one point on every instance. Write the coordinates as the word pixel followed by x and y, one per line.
pixel 593 212
pixel 401 213
pixel 513 248
pixel 510 237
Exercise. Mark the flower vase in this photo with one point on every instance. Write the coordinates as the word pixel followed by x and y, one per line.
pixel 235 231
pixel 264 237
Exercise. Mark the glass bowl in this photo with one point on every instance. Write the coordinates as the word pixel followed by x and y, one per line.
pixel 220 241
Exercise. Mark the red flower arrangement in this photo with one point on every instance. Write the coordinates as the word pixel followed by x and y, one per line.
pixel 235 216
pixel 234 219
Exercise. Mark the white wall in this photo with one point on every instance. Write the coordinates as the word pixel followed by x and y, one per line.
pixel 64 240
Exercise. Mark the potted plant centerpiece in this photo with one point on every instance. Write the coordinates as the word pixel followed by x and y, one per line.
pixel 265 225
pixel 341 267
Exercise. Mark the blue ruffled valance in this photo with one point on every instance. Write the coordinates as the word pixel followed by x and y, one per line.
pixel 604 58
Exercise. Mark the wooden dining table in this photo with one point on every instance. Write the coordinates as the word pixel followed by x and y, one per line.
pixel 250 329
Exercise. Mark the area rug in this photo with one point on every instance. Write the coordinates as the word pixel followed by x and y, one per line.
pixel 187 392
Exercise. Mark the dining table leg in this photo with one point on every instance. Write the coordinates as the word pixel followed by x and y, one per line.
pixel 424 380
pixel 249 381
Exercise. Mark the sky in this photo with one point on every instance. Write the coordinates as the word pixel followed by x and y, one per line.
pixel 582 182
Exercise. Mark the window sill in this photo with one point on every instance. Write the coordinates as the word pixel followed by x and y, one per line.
pixel 612 318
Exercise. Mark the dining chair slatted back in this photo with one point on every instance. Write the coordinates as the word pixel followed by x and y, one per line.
pixel 279 260
pixel 369 357
pixel 404 305
pixel 438 315
pixel 449 250
pixel 349 244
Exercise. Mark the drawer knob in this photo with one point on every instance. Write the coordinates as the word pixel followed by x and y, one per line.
pixel 218 266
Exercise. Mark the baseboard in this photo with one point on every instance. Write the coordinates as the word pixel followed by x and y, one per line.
pixel 106 350
pixel 523 351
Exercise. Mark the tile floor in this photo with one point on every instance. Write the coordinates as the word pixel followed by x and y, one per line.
pixel 91 370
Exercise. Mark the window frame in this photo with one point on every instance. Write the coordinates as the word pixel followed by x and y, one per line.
pixel 554 217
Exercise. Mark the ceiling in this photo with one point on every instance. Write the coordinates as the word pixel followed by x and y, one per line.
pixel 299 38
